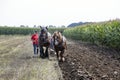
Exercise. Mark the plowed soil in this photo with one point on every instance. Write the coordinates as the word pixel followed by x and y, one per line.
pixel 86 61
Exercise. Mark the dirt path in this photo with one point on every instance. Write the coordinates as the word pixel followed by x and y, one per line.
pixel 17 63
pixel 89 62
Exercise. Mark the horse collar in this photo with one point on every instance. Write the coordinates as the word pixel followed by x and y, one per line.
pixel 60 44
pixel 45 34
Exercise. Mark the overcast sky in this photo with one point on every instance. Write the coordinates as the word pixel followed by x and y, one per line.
pixel 56 12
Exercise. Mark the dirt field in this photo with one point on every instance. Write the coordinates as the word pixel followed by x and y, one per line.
pixel 89 62
pixel 17 62
pixel 83 62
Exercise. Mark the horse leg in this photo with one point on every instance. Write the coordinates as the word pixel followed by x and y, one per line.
pixel 46 52
pixel 61 55
pixel 57 54
pixel 41 52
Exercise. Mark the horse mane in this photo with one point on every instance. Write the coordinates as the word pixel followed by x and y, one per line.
pixel 60 36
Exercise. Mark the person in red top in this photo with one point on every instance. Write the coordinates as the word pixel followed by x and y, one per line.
pixel 34 39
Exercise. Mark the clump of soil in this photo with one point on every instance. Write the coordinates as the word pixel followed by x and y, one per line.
pixel 90 62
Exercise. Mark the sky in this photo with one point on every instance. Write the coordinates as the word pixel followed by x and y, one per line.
pixel 56 12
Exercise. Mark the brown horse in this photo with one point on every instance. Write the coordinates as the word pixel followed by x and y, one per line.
pixel 60 45
pixel 44 42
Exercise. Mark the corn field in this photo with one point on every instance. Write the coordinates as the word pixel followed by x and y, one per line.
pixel 24 31
pixel 104 33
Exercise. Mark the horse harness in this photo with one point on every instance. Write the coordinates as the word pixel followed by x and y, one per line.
pixel 60 44
pixel 42 38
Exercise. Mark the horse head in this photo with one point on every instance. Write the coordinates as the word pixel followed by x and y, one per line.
pixel 43 34
pixel 43 29
pixel 58 38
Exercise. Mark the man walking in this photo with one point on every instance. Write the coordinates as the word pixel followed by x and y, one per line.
pixel 34 39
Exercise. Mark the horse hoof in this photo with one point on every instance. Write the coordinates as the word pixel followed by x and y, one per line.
pixel 55 53
pixel 63 59
pixel 59 58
